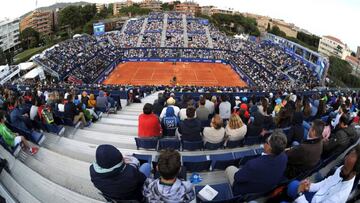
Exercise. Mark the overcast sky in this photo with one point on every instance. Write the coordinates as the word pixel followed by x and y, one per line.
pixel 340 18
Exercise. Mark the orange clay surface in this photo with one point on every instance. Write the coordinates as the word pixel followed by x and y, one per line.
pixel 159 73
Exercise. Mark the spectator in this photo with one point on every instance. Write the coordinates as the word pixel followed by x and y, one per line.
pixel 170 122
pixel 296 132
pixel 305 156
pixel 102 102
pixel 117 177
pixel 92 101
pixel 343 137
pixel 182 112
pixel 149 124
pixel 224 108
pixel 190 128
pixel 73 113
pixel 335 188
pixel 216 133
pixel 210 105
pixel 18 117
pixel 235 129
pixel 168 188
pixel 84 98
pixel 263 173
pixel 202 113
pixel 12 139
pixel 170 104
pixel 255 128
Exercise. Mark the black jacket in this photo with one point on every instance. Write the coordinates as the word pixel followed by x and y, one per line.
pixel 190 130
pixel 70 110
pixel 339 141
pixel 123 183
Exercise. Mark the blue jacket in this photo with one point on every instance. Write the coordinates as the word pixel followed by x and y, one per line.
pixel 260 175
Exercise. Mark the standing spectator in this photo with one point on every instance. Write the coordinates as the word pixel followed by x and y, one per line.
pixel 118 177
pixel 305 156
pixel 202 113
pixel 235 129
pixel 224 108
pixel 168 188
pixel 170 104
pixel 210 105
pixel 190 128
pixel 263 173
pixel 149 124
pixel 216 133
pixel 11 139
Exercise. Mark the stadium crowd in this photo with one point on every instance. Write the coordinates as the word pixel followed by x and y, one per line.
pixel 297 133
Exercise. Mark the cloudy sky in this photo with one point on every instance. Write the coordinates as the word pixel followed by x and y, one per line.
pixel 339 18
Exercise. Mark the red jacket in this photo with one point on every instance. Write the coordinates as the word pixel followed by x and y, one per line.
pixel 149 125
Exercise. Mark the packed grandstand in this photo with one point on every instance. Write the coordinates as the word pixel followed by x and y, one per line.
pixel 70 138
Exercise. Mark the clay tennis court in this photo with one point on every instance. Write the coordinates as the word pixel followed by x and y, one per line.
pixel 161 73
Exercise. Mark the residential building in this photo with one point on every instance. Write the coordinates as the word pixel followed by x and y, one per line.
pixel 332 46
pixel 211 10
pixel 153 5
pixel 114 23
pixel 9 34
pixel 355 63
pixel 188 7
pixel 99 7
pixel 118 5
pixel 264 21
pixel 41 21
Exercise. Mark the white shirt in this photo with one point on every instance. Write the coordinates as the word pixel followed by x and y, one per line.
pixel 182 114
pixel 330 190
pixel 210 106
pixel 225 110
pixel 33 112
pixel 176 111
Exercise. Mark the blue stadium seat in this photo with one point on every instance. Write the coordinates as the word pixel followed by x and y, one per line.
pixel 211 146
pixel 32 136
pixel 242 154
pixel 224 192
pixel 196 163
pixel 222 161
pixel 192 146
pixel 143 158
pixel 234 144
pixel 146 143
pixel 259 150
pixel 248 158
pixel 171 143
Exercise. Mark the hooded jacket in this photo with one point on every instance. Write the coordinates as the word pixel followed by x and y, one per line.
pixel 339 141
pixel 190 130
pixel 170 122
pixel 92 101
pixel 102 100
pixel 114 178
pixel 181 191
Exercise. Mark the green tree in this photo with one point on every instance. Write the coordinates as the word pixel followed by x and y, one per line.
pixel 341 70
pixel 88 12
pixel 2 57
pixel 276 31
pixel 167 7
pixel 70 16
pixel 311 40
pixel 30 38
pixel 134 10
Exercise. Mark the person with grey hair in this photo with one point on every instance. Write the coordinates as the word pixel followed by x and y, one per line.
pixel 262 173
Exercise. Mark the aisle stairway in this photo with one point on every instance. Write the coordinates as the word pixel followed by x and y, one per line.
pixel 186 39
pixel 207 31
pixel 163 33
pixel 141 35
pixel 59 172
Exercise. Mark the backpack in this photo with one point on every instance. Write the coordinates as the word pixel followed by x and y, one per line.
pixel 47 115
pixel 170 123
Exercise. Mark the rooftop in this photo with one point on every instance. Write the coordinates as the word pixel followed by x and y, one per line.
pixel 334 39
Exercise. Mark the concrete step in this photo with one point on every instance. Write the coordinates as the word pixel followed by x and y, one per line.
pixel 123 116
pixel 120 141
pixel 118 121
pixel 115 129
pixel 65 171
